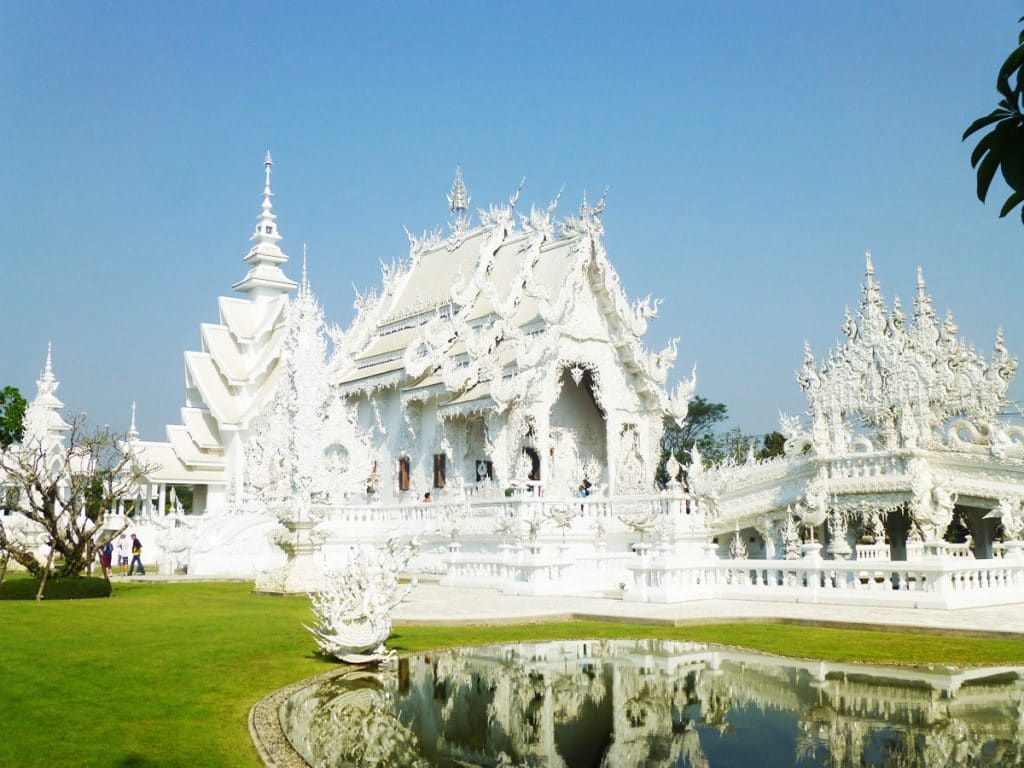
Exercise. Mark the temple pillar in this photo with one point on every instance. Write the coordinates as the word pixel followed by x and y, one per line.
pixel 612 426
pixel 542 439
pixel 162 498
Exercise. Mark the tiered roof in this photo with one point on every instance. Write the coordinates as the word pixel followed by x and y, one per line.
pixel 471 316
pixel 44 426
pixel 228 379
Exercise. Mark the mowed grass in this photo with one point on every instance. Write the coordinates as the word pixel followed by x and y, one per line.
pixel 165 674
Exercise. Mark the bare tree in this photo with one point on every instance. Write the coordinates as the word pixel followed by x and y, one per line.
pixel 67 490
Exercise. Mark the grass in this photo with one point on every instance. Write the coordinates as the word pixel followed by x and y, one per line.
pixel 165 674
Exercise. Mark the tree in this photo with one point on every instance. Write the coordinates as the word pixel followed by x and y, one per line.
pixel 698 429
pixel 12 416
pixel 774 445
pixel 1002 147
pixel 66 492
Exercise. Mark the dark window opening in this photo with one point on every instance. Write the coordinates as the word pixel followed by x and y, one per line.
pixel 439 470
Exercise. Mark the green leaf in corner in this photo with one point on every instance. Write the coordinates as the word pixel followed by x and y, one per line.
pixel 1011 202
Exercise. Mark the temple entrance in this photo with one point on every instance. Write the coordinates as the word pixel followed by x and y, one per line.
pixel 578 434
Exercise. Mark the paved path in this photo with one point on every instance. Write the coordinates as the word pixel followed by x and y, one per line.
pixel 432 603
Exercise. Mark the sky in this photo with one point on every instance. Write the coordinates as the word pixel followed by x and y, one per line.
pixel 752 152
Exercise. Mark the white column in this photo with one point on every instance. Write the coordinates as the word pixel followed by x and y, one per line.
pixel 611 439
pixel 162 495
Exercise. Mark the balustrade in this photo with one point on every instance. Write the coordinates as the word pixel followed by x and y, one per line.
pixel 926 583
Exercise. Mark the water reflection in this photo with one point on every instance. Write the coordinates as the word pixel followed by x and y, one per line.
pixel 618 704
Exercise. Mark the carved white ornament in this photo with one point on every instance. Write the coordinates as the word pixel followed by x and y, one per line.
pixel 353 611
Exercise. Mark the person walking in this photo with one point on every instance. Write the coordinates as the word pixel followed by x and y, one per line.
pixel 106 555
pixel 122 554
pixel 136 557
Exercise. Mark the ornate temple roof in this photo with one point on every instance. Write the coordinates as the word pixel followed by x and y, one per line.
pixel 477 313
pixel 902 414
pixel 904 379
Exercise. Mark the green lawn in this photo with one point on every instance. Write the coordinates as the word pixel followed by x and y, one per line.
pixel 165 674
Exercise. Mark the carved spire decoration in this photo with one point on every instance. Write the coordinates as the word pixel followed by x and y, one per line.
pixel 459 198
pixel 43 423
pixel 902 383
pixel 133 433
pixel 304 283
pixel 307 447
pixel 265 277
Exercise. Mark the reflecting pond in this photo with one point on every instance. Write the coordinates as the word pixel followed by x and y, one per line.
pixel 619 704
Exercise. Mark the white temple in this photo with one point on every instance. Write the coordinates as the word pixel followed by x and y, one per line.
pixel 495 399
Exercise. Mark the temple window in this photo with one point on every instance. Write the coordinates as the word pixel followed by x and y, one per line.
pixel 403 473
pixel 439 470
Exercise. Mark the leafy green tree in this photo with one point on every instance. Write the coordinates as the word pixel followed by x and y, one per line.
pixel 1002 147
pixel 12 416
pixel 774 445
pixel 701 420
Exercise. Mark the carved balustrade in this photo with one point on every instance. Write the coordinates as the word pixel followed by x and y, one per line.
pixel 926 583
pixel 873 552
pixel 853 466
pixel 585 510
pixel 918 549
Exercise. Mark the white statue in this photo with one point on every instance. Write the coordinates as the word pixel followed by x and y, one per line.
pixel 354 609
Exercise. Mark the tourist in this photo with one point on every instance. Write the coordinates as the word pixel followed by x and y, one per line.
pixel 122 554
pixel 106 555
pixel 426 498
pixel 136 557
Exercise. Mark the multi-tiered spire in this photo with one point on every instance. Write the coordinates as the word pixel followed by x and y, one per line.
pixel 43 422
pixel 265 278
pixel 459 198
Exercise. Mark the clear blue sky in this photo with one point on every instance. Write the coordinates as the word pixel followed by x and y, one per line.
pixel 753 152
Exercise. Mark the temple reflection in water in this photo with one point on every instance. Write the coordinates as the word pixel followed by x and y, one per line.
pixel 618 704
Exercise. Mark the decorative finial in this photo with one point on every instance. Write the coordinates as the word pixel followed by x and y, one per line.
pixel 304 286
pixel 48 369
pixel 920 280
pixel 869 268
pixel 458 200
pixel 268 161
pixel 133 433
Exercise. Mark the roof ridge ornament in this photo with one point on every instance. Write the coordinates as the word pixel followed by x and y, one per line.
pixel 48 367
pixel 133 433
pixel 304 284
pixel 588 220
pixel 459 198
pixel 265 229
pixel 265 278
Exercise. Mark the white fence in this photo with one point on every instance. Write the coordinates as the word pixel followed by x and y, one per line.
pixel 937 582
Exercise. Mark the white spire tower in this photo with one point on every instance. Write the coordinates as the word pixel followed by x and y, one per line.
pixel 265 278
pixel 43 422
